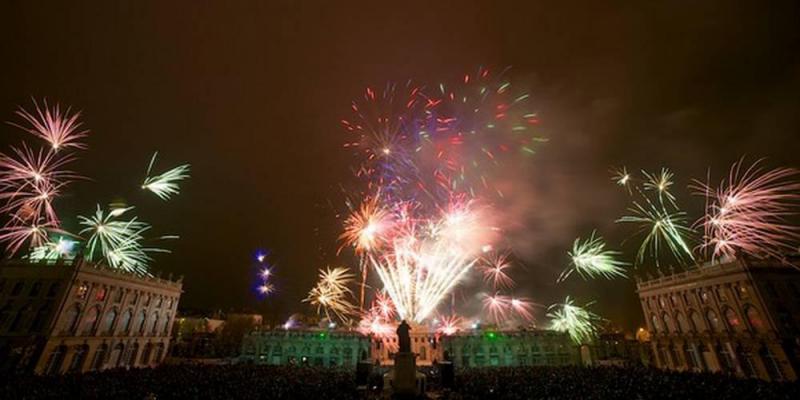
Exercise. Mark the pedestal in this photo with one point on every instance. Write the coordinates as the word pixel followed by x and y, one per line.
pixel 404 375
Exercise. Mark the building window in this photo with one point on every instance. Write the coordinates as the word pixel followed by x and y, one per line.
pixel 704 296
pixel 51 292
pixel 55 360
pixel 713 321
pixel 697 321
pixel 108 322
pixel 169 304
pixel 733 320
pixel 99 357
pixel 154 324
pixel 683 324
pixel 90 321
pixel 146 301
pixel 662 302
pixel 674 299
pixel 118 295
pixel 17 322
pixel 35 289
pixel 771 363
pixel 78 359
pixel 742 292
pixel 160 302
pixel 722 294
pixel 39 319
pixel 140 322
pixel 754 318
pixel 17 289
pixel 656 325
pixel 134 298
pixel 72 318
pixel 668 326
pixel 82 290
pixel 125 322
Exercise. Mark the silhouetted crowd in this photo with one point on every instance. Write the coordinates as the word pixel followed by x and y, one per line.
pixel 609 383
pixel 311 383
pixel 188 382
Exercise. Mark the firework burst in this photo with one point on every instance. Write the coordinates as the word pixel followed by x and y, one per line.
pixel 661 228
pixel 331 294
pixel 60 129
pixel 165 185
pixel 591 259
pixel 747 213
pixel 580 323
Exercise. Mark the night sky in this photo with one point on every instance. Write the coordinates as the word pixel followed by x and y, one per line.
pixel 251 94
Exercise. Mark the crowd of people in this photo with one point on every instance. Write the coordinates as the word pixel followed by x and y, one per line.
pixel 188 382
pixel 609 383
pixel 307 383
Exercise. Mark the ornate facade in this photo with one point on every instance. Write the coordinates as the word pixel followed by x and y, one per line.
pixel 75 316
pixel 328 348
pixel 510 348
pixel 739 317
pixel 469 349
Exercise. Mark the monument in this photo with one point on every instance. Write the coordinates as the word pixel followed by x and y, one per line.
pixel 404 380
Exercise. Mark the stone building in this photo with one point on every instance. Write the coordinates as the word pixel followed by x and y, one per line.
pixel 738 316
pixel 304 347
pixel 75 316
pixel 510 348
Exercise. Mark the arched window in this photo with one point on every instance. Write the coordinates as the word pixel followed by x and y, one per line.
pixel 153 323
pixel 771 363
pixel 134 353
pixel 697 321
pixel 78 359
pixel 17 324
pixel 733 320
pixel 55 360
pixel 683 324
pixel 100 357
pixel 108 322
pixel 72 318
pixel 90 321
pixel 668 325
pixel 714 322
pixel 40 318
pixel 165 325
pixel 125 322
pixel 159 352
pixel 146 354
pixel 116 355
pixel 140 320
pixel 754 318
pixel 656 324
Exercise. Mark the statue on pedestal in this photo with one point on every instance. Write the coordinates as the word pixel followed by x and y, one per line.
pixel 403 337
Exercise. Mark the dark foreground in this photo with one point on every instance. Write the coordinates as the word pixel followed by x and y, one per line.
pixel 273 382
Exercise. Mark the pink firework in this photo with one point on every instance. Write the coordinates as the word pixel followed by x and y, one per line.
pixel 497 306
pixel 28 167
pixel 748 212
pixel 17 233
pixel 449 325
pixel 383 306
pixel 523 308
pixel 495 270
pixel 61 129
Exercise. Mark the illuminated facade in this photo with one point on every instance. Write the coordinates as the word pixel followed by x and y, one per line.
pixel 739 317
pixel 75 316
pixel 304 347
pixel 469 349
pixel 510 348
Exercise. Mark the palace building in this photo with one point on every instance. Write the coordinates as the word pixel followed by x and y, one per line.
pixel 329 348
pixel 738 316
pixel 510 348
pixel 476 348
pixel 75 316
